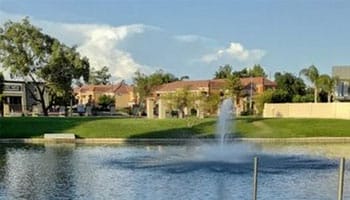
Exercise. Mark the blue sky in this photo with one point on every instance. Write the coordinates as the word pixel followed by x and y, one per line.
pixel 194 37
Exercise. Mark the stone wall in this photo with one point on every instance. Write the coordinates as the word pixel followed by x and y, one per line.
pixel 307 110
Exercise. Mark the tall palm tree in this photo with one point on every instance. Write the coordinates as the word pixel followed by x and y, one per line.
pixel 327 84
pixel 311 73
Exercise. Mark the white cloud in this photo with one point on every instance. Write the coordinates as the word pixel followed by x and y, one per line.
pixel 233 53
pixel 191 38
pixel 100 43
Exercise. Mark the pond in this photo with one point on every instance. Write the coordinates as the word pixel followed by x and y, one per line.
pixel 188 171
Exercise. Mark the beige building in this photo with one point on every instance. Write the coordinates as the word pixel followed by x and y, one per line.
pixel 123 94
pixel 342 90
pixel 251 87
pixel 17 99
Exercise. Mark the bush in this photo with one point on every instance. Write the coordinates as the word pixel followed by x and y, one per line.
pixel 302 99
pixel 105 101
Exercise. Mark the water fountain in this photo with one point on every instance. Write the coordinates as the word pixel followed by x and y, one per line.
pixel 225 121
pixel 222 150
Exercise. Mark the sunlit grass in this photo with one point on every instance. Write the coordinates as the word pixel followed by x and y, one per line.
pixel 96 127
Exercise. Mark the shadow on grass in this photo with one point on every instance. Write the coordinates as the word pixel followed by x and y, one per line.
pixel 28 127
pixel 31 127
pixel 200 130
pixel 249 119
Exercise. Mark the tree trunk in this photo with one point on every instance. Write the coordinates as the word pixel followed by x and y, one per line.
pixel 181 113
pixel 43 106
pixel 42 102
pixel 329 96
pixel 315 94
pixel 45 109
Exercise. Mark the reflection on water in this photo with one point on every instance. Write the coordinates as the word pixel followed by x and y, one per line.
pixel 167 172
pixel 330 150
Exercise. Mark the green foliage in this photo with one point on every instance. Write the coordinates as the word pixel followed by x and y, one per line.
pixel 279 96
pixel 257 71
pixel 181 99
pixel 106 100
pixel 261 99
pixel 303 99
pixel 2 79
pixel 145 84
pixel 41 59
pixel 226 71
pixel 323 84
pixel 223 72
pixel 234 86
pixel 99 77
pixel 327 84
pixel 1 91
pixel 244 73
pixel 271 96
pixel 209 103
pixel 185 77
pixel 312 74
pixel 291 84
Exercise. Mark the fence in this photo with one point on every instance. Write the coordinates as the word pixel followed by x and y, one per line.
pixel 308 110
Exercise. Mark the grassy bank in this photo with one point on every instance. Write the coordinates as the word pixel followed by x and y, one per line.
pixel 170 128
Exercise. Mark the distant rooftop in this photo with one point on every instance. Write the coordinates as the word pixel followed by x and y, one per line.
pixel 212 84
pixel 341 71
pixel 121 88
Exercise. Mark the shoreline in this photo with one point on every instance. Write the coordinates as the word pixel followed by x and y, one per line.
pixel 173 140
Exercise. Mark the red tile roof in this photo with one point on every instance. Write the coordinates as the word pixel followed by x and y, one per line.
pixel 212 84
pixel 257 80
pixel 121 88
pixel 192 85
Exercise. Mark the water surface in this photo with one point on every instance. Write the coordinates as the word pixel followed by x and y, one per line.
pixel 166 172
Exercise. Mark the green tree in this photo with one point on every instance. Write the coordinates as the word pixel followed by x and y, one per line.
pixel 305 98
pixel 185 77
pixel 312 74
pixel 279 96
pixel 226 71
pixel 291 84
pixel 144 84
pixel 223 72
pixel 105 101
pixel 234 86
pixel 2 79
pixel 261 99
pixel 270 96
pixel 257 71
pixel 327 84
pixel 99 77
pixel 210 103
pixel 41 60
pixel 244 73
pixel 181 99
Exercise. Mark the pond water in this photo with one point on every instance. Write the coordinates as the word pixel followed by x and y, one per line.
pixel 193 171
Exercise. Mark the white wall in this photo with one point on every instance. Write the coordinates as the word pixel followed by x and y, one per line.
pixel 307 110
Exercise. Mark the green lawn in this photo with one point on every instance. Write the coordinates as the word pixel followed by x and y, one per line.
pixel 28 127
